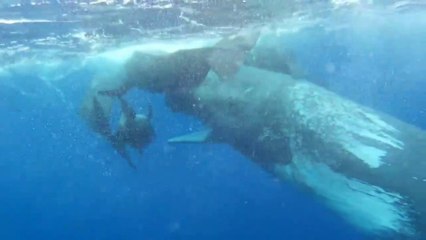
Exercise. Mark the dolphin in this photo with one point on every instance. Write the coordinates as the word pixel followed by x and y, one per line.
pixel 366 165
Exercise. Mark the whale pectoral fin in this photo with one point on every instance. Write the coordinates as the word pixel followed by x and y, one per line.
pixel 131 164
pixel 120 147
pixel 123 153
pixel 196 137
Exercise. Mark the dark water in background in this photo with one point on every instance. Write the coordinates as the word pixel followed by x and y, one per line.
pixel 58 180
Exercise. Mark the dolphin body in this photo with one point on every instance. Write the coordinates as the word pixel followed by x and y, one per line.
pixel 366 165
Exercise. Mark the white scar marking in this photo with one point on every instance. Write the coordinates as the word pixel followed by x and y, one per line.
pixel 367 206
pixel 341 122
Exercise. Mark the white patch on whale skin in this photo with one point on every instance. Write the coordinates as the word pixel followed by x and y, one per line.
pixel 341 122
pixel 307 112
pixel 362 151
pixel 369 207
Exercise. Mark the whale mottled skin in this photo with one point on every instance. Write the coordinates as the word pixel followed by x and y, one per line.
pixel 366 165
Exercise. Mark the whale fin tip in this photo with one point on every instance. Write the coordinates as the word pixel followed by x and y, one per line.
pixel 202 136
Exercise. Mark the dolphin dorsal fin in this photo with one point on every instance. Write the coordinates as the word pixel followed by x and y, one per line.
pixel 202 136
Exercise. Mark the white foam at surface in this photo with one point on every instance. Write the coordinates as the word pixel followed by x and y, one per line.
pixel 341 3
pixel 52 68
pixel 23 20
pixel 156 47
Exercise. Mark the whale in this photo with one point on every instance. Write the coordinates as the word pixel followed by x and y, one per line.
pixel 367 166
pixel 134 130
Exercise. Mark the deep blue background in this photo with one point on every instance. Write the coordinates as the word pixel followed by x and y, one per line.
pixel 59 181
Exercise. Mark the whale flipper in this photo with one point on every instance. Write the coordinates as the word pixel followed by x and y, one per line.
pixel 195 137
pixel 120 147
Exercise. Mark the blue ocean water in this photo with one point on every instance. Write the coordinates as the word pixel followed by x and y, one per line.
pixel 60 181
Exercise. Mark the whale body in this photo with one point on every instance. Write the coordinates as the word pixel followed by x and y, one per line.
pixel 366 165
